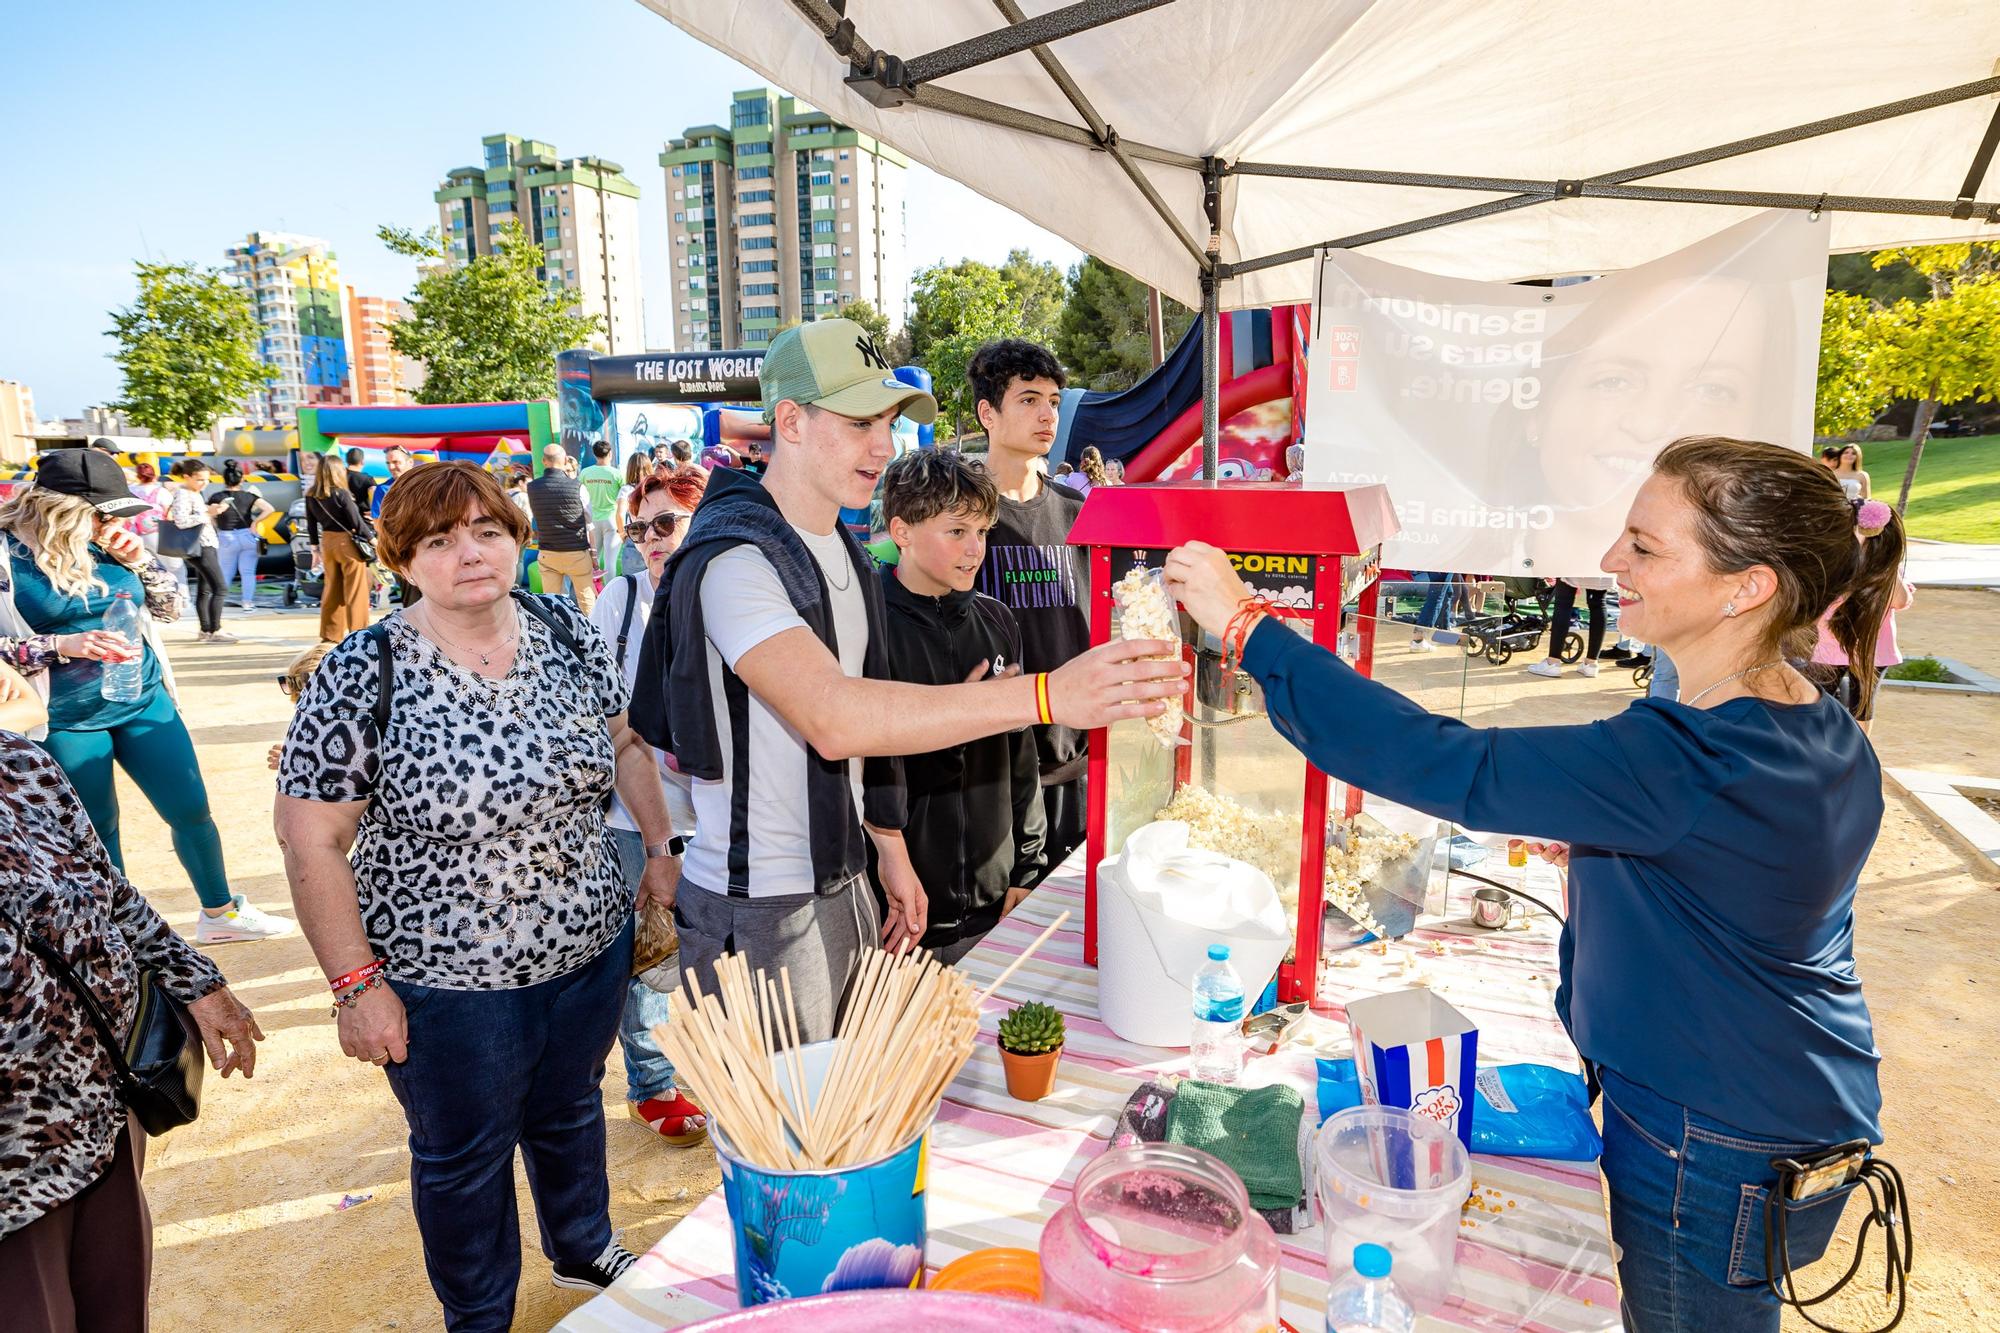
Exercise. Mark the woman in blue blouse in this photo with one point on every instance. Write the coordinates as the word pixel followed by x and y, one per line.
pixel 1716 842
pixel 68 560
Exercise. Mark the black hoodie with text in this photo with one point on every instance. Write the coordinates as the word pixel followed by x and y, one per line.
pixel 975 826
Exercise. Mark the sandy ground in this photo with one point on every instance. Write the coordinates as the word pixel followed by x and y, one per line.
pixel 244 1202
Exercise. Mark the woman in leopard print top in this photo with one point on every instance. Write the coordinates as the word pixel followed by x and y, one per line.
pixel 441 805
pixel 69 1182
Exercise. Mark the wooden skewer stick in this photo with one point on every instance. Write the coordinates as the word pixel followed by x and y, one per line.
pixel 1026 954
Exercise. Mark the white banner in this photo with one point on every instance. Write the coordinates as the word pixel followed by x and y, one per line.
pixel 1513 424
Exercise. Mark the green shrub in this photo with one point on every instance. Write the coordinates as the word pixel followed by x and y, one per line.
pixel 1920 668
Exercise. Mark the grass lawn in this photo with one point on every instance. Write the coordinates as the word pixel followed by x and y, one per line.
pixel 1957 495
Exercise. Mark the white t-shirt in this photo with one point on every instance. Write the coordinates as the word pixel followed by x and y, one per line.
pixel 742 605
pixel 607 615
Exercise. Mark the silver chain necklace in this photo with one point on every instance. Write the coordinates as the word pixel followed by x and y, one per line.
pixel 485 658
pixel 1734 675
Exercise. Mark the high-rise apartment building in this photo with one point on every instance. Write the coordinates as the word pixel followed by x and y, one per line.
pixel 382 375
pixel 582 211
pixel 783 216
pixel 294 285
pixel 18 422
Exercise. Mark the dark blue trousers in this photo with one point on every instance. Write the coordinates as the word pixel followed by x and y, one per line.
pixel 489 1071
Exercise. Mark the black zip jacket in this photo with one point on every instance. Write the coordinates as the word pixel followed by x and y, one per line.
pixel 975 827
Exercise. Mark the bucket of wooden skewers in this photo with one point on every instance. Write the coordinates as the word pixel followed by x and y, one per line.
pixel 822 1145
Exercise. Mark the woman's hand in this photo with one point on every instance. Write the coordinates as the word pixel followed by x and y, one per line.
pixel 224 1020
pixel 1555 853
pixel 122 546
pixel 98 645
pixel 659 882
pixel 374 1028
pixel 1201 578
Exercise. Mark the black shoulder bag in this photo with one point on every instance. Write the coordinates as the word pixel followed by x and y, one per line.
pixel 157 1069
pixel 363 546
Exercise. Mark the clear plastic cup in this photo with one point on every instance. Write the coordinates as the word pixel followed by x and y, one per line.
pixel 1391 1178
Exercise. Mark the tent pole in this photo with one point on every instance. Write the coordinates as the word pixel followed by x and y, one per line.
pixel 1211 321
pixel 1211 387
pixel 1022 34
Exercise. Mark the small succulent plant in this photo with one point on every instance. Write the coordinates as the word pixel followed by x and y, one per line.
pixel 1031 1029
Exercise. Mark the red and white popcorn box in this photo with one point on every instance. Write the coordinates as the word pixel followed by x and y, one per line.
pixel 1413 1050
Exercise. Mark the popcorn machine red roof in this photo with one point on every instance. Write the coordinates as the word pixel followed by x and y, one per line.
pixel 1313 548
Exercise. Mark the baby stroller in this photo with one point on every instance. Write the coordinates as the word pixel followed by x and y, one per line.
pixel 305 585
pixel 1520 627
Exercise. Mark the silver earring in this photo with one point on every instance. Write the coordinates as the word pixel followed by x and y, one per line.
pixel 1729 608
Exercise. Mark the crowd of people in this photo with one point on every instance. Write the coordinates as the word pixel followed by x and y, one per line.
pixel 721 709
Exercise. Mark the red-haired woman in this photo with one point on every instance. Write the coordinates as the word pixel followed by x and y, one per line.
pixel 479 939
pixel 658 511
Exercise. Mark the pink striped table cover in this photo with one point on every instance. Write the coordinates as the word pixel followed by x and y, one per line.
pixel 1537 1257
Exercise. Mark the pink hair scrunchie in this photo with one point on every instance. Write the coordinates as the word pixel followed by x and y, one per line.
pixel 1872 517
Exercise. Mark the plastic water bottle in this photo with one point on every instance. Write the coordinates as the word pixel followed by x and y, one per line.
pixel 124 681
pixel 1217 1049
pixel 1365 1300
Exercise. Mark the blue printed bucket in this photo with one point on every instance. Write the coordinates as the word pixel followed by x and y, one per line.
pixel 807 1233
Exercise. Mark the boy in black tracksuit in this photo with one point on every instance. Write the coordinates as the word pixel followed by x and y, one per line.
pixel 975 829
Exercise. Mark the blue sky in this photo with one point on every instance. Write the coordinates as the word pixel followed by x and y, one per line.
pixel 171 130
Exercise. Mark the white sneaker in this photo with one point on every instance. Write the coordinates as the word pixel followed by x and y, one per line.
pixel 219 636
pixel 240 922
pixel 1422 646
pixel 1546 668
pixel 1587 669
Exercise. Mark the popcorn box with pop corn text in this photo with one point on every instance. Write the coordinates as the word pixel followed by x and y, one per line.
pixel 1413 1050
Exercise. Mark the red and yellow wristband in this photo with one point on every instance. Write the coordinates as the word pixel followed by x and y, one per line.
pixel 1042 713
pixel 365 972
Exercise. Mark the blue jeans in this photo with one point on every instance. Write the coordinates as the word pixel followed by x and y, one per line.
pixel 489 1071
pixel 239 560
pixel 648 1072
pixel 1436 613
pixel 1666 682
pixel 1687 1210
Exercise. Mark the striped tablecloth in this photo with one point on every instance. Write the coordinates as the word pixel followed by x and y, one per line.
pixel 1537 1256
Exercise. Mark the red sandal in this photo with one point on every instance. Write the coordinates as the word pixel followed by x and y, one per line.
pixel 674 1118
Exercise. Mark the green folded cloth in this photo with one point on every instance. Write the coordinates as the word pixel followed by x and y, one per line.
pixel 1252 1131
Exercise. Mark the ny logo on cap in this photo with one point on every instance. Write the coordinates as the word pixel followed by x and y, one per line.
pixel 870 353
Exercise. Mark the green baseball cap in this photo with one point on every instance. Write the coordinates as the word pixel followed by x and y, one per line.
pixel 834 364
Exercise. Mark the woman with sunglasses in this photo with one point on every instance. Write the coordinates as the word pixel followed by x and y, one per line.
pixel 659 510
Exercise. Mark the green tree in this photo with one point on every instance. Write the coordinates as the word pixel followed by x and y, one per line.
pixel 1851 394
pixel 1039 290
pixel 868 317
pixel 956 308
pixel 487 331
pixel 1102 336
pixel 187 350
pixel 1859 275
pixel 1945 349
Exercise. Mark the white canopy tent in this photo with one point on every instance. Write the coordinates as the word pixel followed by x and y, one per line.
pixel 1209 147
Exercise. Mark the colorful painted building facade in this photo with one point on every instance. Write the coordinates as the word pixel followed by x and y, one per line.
pixel 294 286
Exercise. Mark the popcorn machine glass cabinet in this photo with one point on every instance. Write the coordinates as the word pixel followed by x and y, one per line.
pixel 1243 789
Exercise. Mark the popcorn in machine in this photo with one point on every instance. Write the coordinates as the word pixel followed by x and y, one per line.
pixel 1220 764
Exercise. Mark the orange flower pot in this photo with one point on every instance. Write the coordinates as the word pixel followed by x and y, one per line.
pixel 1030 1077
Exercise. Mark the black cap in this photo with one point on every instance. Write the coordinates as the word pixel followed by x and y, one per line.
pixel 101 443
pixel 89 475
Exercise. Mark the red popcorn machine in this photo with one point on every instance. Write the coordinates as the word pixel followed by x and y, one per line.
pixel 1242 788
